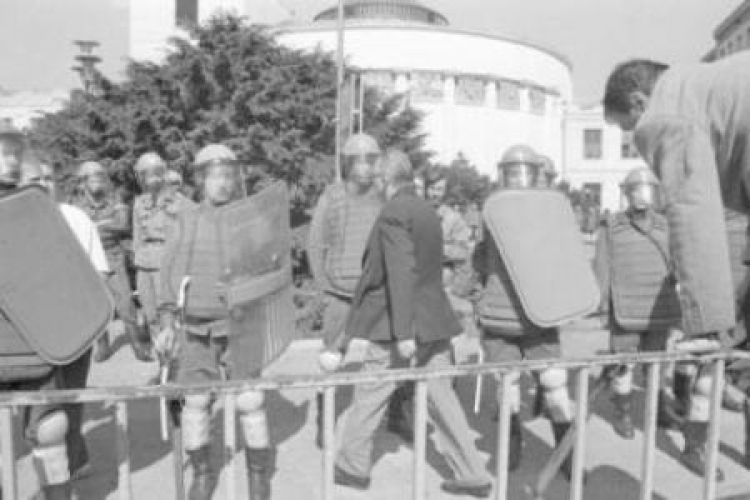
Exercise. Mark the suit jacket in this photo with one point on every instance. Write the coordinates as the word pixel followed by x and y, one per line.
pixel 695 134
pixel 400 294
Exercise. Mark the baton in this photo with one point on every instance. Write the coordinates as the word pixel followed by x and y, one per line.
pixel 164 361
pixel 478 388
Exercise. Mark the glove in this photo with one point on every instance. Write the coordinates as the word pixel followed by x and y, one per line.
pixel 407 348
pixel 330 361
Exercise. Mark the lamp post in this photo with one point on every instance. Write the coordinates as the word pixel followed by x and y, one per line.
pixel 87 68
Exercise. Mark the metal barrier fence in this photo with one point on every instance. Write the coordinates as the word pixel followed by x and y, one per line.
pixel 583 367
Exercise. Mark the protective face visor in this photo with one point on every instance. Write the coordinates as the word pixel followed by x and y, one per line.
pixel 643 196
pixel 154 176
pixel 518 175
pixel 233 177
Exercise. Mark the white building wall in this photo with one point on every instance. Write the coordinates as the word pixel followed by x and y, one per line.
pixel 610 169
pixel 481 133
pixel 152 23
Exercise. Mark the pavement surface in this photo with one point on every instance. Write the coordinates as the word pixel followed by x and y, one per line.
pixel 613 464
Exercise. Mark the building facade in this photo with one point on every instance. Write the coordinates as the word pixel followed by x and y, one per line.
pixel 597 155
pixel 732 34
pixel 480 93
pixel 20 108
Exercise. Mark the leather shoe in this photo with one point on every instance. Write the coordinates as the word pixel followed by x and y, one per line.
pixel 474 490
pixel 343 478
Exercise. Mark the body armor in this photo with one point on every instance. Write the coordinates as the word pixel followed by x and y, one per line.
pixel 152 219
pixel 642 287
pixel 44 262
pixel 349 222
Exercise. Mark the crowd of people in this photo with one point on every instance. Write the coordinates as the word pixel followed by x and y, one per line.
pixel 401 268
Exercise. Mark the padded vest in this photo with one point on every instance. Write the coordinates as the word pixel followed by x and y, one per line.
pixel 198 255
pixel 499 306
pixel 643 292
pixel 151 222
pixel 350 220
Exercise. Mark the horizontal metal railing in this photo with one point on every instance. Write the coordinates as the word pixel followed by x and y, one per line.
pixel 328 383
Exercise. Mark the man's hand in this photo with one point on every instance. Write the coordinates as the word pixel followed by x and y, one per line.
pixel 164 344
pixel 407 348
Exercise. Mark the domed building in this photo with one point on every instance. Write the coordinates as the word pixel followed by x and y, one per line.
pixel 480 92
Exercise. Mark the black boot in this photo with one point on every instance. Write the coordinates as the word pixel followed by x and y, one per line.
pixel 747 433
pixel 319 428
pixel 669 415
pixel 682 385
pixel 204 477
pixel 623 421
pixel 694 456
pixel 401 413
pixel 258 462
pixel 103 351
pixel 515 449
pixel 559 430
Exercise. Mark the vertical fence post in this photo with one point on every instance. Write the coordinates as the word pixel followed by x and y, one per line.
pixel 714 428
pixel 329 438
pixel 503 437
pixel 420 439
pixel 579 454
pixel 10 482
pixel 230 444
pixel 179 476
pixel 649 431
pixel 123 449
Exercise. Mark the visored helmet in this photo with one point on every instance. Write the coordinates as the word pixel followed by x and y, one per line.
pixel 360 155
pixel 642 189
pixel 519 168
pixel 149 161
pixel 216 155
pixel 547 172
pixel 91 169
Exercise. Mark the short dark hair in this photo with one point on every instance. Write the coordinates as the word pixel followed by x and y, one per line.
pixel 636 75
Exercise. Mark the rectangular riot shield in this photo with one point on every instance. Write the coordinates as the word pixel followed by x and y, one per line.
pixel 543 251
pixel 54 304
pixel 256 239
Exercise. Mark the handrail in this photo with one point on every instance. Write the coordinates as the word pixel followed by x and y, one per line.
pixel 307 381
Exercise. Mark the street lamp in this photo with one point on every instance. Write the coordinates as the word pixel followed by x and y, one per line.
pixel 88 62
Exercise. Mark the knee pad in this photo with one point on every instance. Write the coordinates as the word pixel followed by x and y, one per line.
pixel 50 455
pixel 196 421
pixel 700 397
pixel 554 382
pixel 514 395
pixel 253 419
pixel 622 382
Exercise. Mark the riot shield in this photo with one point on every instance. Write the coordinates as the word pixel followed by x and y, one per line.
pixel 542 248
pixel 54 304
pixel 256 239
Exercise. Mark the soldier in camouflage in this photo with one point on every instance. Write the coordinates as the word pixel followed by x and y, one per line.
pixel 98 200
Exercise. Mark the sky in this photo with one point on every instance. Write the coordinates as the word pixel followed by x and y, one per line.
pixel 36 49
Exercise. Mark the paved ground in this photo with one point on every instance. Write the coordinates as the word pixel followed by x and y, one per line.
pixel 613 464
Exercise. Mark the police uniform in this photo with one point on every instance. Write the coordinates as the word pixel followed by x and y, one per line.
pixel 152 218
pixel 112 218
pixel 204 353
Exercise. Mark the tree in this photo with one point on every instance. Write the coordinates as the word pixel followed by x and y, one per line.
pixel 467 185
pixel 228 83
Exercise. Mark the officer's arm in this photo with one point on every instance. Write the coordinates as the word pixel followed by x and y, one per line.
pixel 166 300
pixel 682 155
pixel 316 242
pixel 400 269
pixel 120 223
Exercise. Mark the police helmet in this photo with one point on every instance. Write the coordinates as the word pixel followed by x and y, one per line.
pixel 642 189
pixel 91 168
pixel 214 154
pixel 149 161
pixel 361 144
pixel 547 172
pixel 519 167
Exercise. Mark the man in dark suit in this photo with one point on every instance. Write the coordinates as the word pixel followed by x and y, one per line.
pixel 401 307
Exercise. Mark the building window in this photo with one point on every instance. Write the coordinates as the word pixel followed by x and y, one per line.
pixel 592 144
pixel 186 13
pixel 627 147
